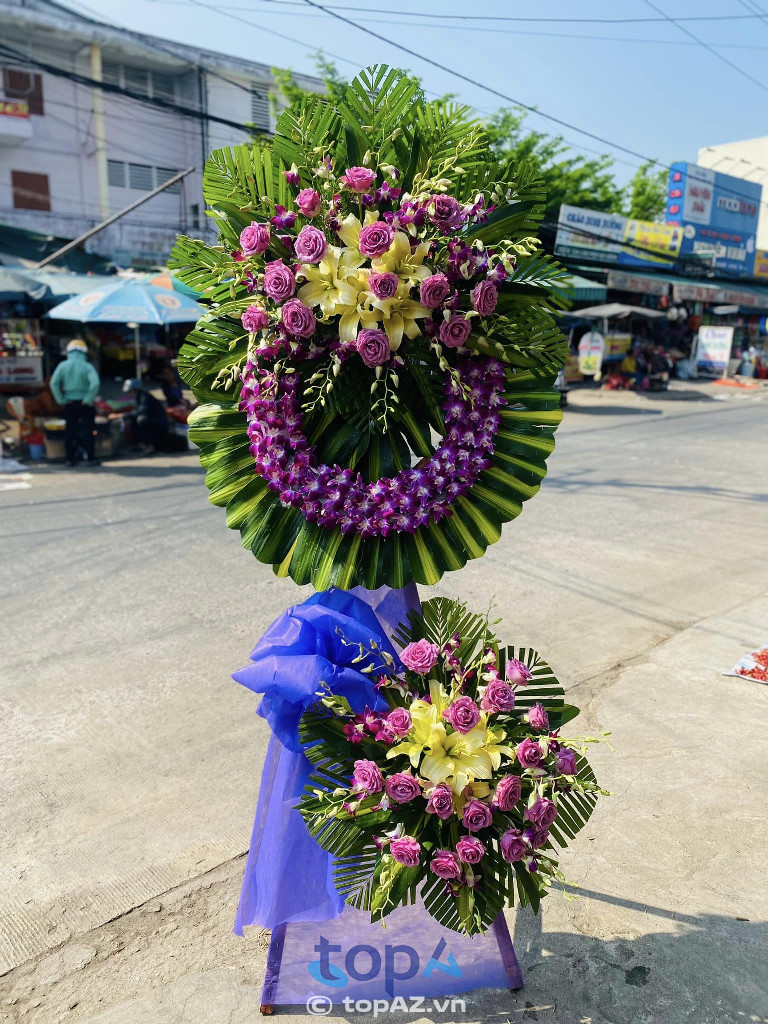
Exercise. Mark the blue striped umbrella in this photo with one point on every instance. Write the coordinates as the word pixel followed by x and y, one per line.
pixel 129 302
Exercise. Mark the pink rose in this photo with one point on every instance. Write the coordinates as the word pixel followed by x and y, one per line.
pixel 420 656
pixel 373 346
pixel 310 244
pixel 529 753
pixel 476 815
pixel 279 281
pixel 375 239
pixel 298 319
pixel 434 291
pixel 254 319
pixel 498 697
pixel 402 787
pixel 367 777
pixel 309 202
pixel 536 837
pixel 454 332
pixel 405 850
pixel 470 850
pixel 359 179
pixel 440 802
pixel 542 813
pixel 508 791
pixel 463 714
pixel 446 865
pixel 484 298
pixel 446 212
pixel 513 845
pixel 399 721
pixel 254 239
pixel 565 759
pixel 538 718
pixel 383 286
pixel 517 672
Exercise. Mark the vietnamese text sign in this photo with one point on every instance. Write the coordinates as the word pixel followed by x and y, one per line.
pixel 713 349
pixel 591 350
pixel 613 238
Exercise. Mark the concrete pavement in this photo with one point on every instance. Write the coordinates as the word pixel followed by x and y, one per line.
pixel 131 762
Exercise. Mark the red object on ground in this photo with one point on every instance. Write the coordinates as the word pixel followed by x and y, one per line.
pixel 724 383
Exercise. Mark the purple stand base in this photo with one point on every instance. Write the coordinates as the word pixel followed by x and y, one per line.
pixel 277 944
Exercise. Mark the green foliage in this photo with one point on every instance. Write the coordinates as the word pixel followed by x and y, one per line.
pixel 566 177
pixel 382 117
pixel 647 193
pixel 373 881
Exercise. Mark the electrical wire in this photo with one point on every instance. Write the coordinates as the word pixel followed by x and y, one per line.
pixel 488 17
pixel 711 49
pixel 510 99
pixel 156 101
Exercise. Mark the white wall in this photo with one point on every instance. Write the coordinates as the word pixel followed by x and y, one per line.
pixel 747 159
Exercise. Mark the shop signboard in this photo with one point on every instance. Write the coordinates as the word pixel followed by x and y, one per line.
pixel 761 263
pixel 591 350
pixel 617 345
pixel 615 239
pixel 726 295
pixel 718 214
pixel 626 281
pixel 713 349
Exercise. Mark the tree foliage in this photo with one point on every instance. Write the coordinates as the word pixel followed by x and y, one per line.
pixel 647 192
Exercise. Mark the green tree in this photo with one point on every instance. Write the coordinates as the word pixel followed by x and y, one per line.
pixel 568 177
pixel 647 193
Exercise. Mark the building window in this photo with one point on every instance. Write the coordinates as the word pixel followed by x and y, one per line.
pixel 30 191
pixel 260 108
pixel 194 211
pixel 163 86
pixel 158 84
pixel 163 174
pixel 21 85
pixel 140 177
pixel 137 80
pixel 116 173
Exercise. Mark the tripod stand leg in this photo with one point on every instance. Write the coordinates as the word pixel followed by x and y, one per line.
pixel 272 973
pixel 507 950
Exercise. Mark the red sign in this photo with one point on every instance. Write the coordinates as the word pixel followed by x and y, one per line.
pixel 14 108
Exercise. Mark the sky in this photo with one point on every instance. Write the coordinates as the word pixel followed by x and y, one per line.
pixel 647 86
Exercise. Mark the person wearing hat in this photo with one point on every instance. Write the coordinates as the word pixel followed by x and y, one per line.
pixel 75 384
pixel 150 420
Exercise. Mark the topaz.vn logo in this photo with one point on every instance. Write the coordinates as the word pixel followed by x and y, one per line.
pixel 363 963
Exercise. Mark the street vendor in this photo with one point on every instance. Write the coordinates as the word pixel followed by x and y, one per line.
pixel 75 384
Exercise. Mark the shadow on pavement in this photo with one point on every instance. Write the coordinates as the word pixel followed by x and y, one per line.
pixel 611 410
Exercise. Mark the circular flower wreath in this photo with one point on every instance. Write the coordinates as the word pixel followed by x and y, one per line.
pixel 385 291
pixel 458 785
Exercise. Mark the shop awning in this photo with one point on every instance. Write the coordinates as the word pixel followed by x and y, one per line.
pixel 582 289
pixel 20 282
pixel 613 309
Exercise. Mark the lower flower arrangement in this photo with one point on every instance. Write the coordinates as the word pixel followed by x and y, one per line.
pixel 416 777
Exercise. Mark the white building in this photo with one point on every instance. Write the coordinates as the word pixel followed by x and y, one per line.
pixel 747 159
pixel 72 153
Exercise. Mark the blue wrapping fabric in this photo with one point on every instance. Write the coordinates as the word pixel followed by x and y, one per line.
pixel 288 877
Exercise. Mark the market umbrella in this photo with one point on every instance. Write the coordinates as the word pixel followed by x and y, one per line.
pixel 165 279
pixel 129 302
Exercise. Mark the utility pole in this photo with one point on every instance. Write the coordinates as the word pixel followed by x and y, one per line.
pixel 99 132
pixel 111 220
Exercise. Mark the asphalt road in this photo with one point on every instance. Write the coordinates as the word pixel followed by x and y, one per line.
pixel 130 761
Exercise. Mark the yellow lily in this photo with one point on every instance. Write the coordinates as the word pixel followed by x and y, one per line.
pixel 358 309
pixel 399 315
pixel 328 284
pixel 426 730
pixel 409 266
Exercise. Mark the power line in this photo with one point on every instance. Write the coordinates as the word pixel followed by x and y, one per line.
pixel 510 99
pixel 706 46
pixel 147 40
pixel 488 17
pixel 155 101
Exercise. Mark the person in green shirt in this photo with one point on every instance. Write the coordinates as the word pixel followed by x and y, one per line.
pixel 75 384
